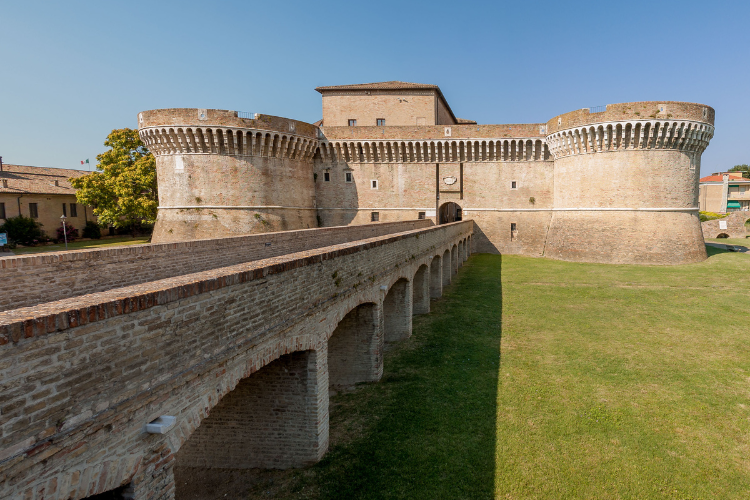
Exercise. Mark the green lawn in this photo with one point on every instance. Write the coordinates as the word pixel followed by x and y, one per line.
pixel 81 245
pixel 540 379
pixel 624 381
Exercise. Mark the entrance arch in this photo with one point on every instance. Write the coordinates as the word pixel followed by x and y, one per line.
pixel 450 212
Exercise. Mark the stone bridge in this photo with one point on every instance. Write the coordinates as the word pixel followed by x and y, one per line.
pixel 238 338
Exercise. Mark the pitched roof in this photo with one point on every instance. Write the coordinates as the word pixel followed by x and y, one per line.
pixel 392 85
pixel 712 178
pixel 720 178
pixel 23 179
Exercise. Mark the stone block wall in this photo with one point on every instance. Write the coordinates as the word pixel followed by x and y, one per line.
pixel 53 276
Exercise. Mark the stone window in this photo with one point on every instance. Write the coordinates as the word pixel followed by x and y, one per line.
pixel 513 185
pixel 348 177
pixel 513 231
pixel 2 210
pixel 352 123
pixel 33 211
pixel 374 216
pixel 326 176
pixel 421 215
pixel 380 122
pixel 73 210
pixel 65 210
pixel 374 184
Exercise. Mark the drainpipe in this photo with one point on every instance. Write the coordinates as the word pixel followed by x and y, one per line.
pixel 19 204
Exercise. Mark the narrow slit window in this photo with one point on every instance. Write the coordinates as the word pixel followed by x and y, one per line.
pixel 326 176
pixel 513 184
pixel 421 215
pixel 73 210
pixel 65 210
pixel 348 177
pixel 374 184
pixel 513 231
pixel 33 211
pixel 352 123
pixel 374 216
pixel 2 211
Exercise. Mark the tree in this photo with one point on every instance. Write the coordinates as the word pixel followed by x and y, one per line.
pixel 745 169
pixel 122 191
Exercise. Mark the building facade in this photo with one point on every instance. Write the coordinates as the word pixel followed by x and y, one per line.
pixel 616 184
pixel 43 194
pixel 723 192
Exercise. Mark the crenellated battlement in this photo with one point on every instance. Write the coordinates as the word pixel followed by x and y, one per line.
pixel 603 137
pixel 227 141
pixel 436 151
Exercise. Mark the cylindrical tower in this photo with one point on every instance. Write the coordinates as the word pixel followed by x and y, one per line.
pixel 626 183
pixel 223 175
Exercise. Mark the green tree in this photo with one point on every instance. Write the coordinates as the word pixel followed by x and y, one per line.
pixel 122 190
pixel 745 169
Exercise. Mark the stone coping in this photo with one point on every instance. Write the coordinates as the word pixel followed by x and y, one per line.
pixel 12 261
pixel 212 118
pixel 674 111
pixel 437 132
pixel 37 321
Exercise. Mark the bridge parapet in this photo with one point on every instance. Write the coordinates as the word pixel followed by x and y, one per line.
pixel 83 375
pixel 53 276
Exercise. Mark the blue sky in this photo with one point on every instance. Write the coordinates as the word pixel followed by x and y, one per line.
pixel 73 71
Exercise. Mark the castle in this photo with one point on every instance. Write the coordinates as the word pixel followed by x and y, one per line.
pixel 616 184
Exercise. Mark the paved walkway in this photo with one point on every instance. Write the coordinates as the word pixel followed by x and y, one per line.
pixel 731 248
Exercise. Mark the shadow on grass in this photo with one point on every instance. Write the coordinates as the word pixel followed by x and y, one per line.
pixel 712 250
pixel 427 430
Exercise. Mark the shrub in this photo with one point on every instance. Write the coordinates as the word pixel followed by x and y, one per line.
pixel 92 230
pixel 704 216
pixel 23 230
pixel 70 232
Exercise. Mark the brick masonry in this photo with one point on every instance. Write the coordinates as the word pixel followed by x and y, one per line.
pixel 555 183
pixel 82 376
pixel 55 275
pixel 735 226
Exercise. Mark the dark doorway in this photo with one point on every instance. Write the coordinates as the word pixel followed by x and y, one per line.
pixel 450 212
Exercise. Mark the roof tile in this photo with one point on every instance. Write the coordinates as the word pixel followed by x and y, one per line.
pixel 39 180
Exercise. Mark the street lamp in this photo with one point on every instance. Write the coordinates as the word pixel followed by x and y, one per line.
pixel 65 233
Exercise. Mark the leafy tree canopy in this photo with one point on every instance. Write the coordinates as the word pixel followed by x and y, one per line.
pixel 122 190
pixel 745 169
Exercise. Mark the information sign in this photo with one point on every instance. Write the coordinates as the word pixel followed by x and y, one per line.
pixel 722 224
pixel 3 239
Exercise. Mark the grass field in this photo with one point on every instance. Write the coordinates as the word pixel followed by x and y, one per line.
pixel 540 379
pixel 82 245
